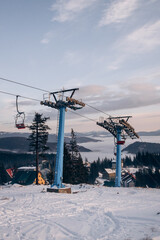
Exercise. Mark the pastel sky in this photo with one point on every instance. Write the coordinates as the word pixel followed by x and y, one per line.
pixel 110 49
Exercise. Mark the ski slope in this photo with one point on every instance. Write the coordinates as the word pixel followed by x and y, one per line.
pixel 90 212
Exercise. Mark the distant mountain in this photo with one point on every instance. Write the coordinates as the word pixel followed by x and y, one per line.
pixel 13 134
pixel 81 138
pixel 16 144
pixel 84 137
pixel 153 133
pixel 92 134
pixel 136 147
pixel 21 145
pixel 101 134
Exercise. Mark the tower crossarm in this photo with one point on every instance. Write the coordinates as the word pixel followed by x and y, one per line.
pixel 49 104
pixel 125 123
pixel 128 129
pixel 130 133
pixel 67 90
pixel 67 102
pixel 74 108
pixel 108 127
pixel 73 101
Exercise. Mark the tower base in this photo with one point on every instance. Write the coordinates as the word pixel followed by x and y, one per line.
pixel 59 190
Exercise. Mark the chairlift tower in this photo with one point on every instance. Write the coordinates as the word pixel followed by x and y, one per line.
pixel 61 105
pixel 120 129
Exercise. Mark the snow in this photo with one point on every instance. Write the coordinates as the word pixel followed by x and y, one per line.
pixel 89 213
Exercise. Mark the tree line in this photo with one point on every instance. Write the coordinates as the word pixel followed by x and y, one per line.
pixel 74 170
pixel 151 160
pixel 147 175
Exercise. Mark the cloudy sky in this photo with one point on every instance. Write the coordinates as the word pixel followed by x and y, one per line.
pixel 110 49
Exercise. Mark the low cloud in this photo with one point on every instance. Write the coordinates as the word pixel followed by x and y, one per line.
pixel 133 95
pixel 146 38
pixel 66 10
pixel 140 41
pixel 47 37
pixel 118 11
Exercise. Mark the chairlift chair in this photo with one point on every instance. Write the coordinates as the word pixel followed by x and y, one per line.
pixel 19 122
pixel 20 117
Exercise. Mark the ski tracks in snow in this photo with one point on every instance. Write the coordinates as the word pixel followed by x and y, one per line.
pixel 94 214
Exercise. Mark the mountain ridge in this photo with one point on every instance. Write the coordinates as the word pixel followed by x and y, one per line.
pixel 136 147
pixel 90 135
pixel 21 145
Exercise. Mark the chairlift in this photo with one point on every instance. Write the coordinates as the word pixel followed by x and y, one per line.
pixel 20 117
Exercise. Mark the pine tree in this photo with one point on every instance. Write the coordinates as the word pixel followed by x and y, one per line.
pixel 38 138
pixel 67 166
pixel 93 172
pixel 73 146
pixel 79 171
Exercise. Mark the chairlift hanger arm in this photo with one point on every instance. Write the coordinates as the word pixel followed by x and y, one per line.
pixel 17 105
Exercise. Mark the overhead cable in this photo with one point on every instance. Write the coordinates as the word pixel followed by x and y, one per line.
pixel 98 110
pixel 22 84
pixel 44 90
pixel 82 116
pixel 12 94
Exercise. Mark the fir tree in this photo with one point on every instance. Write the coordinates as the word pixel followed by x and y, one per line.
pixel 74 147
pixel 93 172
pixel 80 173
pixel 38 138
pixel 74 171
pixel 67 166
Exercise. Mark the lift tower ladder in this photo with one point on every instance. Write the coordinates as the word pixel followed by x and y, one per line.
pixel 61 105
pixel 120 129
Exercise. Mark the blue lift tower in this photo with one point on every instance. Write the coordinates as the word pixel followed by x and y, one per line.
pixel 120 129
pixel 61 105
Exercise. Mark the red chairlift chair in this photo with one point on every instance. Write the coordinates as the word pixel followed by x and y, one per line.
pixel 19 122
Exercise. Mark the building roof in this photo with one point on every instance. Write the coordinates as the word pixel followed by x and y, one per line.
pixel 109 170
pixel 127 176
pixel 25 177
pixel 10 172
pixel 27 168
pixel 132 170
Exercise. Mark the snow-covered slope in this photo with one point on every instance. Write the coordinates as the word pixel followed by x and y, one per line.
pixel 91 213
